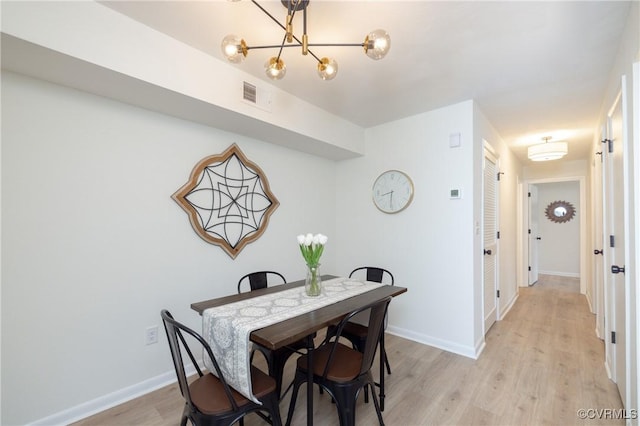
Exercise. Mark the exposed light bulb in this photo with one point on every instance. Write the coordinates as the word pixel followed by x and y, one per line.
pixel 234 48
pixel 327 68
pixel 377 44
pixel 275 68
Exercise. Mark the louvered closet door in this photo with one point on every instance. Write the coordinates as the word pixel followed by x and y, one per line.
pixel 490 239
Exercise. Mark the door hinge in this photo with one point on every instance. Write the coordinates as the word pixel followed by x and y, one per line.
pixel 610 145
pixel 529 194
pixel 498 293
pixel 529 231
pixel 529 267
pixel 613 337
pixel 498 175
pixel 498 235
pixel 612 241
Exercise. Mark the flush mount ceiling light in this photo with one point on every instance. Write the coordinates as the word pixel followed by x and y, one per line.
pixel 547 151
pixel 376 44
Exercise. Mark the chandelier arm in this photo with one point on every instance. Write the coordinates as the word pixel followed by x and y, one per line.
pixel 299 42
pixel 269 15
pixel 272 46
pixel 284 39
pixel 266 12
pixel 337 44
pixel 285 30
pixel 278 46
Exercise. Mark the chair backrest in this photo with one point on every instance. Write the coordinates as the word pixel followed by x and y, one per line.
pixel 177 336
pixel 261 279
pixel 374 274
pixel 377 312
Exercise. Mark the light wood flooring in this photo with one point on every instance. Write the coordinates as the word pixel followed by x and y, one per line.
pixel 541 364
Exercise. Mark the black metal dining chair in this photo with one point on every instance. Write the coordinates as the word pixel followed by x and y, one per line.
pixel 343 371
pixel 357 333
pixel 260 279
pixel 276 359
pixel 209 400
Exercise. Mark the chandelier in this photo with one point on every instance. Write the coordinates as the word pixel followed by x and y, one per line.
pixel 547 151
pixel 376 44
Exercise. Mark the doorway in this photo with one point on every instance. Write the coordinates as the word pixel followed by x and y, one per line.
pixel 579 246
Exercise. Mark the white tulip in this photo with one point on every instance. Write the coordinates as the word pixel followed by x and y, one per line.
pixel 308 239
pixel 322 239
pixel 316 239
pixel 300 239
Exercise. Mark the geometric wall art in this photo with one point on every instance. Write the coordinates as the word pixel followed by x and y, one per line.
pixel 228 200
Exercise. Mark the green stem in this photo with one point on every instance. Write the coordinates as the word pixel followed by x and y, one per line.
pixel 314 287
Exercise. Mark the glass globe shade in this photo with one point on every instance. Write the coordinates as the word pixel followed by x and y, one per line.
pixel 377 44
pixel 234 48
pixel 275 68
pixel 327 68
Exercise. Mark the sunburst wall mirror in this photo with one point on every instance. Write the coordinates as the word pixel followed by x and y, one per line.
pixel 228 200
pixel 560 211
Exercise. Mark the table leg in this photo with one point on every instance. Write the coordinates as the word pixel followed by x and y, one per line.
pixel 382 372
pixel 310 348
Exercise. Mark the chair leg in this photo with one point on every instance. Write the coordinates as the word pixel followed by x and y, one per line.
pixel 185 416
pixel 375 403
pixel 346 405
pixel 299 379
pixel 386 362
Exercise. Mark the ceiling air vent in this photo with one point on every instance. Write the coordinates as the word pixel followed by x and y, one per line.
pixel 249 92
pixel 256 96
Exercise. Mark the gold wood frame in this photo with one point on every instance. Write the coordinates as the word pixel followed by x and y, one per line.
pixel 228 200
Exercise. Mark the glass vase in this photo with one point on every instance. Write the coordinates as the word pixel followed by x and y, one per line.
pixel 313 282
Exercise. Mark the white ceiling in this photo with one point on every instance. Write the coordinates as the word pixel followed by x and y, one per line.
pixel 535 68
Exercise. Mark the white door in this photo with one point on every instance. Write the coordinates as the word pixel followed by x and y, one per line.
pixel 615 252
pixel 490 214
pixel 598 239
pixel 534 234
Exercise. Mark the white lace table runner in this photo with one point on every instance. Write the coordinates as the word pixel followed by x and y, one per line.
pixel 227 328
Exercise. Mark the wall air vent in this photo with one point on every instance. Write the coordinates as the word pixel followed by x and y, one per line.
pixel 256 96
pixel 249 92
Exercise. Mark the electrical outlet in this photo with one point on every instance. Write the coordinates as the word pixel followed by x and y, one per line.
pixel 151 335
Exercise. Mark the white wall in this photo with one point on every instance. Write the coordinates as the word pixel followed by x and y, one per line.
pixel 86 186
pixel 559 248
pixel 94 247
pixel 428 246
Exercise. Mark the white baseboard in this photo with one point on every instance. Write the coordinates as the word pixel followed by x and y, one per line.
pixel 111 400
pixel 560 274
pixel 505 311
pixel 468 351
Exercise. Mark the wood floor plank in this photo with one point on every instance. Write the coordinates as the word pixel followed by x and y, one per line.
pixel 541 364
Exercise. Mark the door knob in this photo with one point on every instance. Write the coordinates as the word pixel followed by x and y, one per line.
pixel 598 251
pixel 487 252
pixel 615 269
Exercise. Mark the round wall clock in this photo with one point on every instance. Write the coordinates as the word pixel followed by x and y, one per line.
pixel 392 191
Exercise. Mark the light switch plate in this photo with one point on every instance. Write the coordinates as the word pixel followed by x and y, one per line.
pixel 454 140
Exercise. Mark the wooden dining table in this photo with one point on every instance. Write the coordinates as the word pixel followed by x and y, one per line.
pixel 306 325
